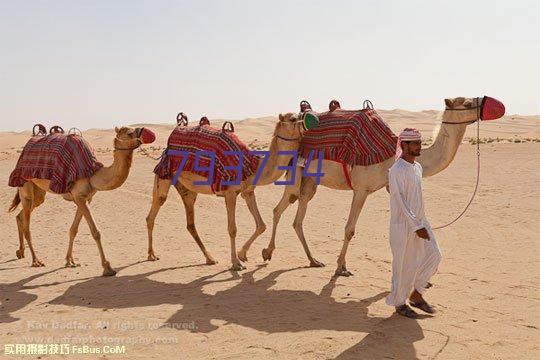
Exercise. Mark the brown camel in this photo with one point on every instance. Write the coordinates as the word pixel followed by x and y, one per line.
pixel 32 194
pixel 459 113
pixel 287 135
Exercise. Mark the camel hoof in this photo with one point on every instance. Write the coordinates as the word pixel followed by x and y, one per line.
pixel 343 272
pixel 37 263
pixel 242 255
pixel 72 264
pixel 20 253
pixel 237 267
pixel 315 263
pixel 109 272
pixel 210 261
pixel 152 257
pixel 266 254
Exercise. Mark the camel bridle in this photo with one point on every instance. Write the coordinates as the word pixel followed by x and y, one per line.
pixel 292 139
pixel 478 118
pixel 139 142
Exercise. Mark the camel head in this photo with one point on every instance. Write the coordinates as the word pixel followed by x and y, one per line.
pixel 128 138
pixel 463 110
pixel 292 126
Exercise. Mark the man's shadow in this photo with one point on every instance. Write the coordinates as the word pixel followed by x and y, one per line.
pixel 392 338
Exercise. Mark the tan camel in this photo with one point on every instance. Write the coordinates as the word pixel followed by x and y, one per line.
pixel 368 179
pixel 32 194
pixel 287 135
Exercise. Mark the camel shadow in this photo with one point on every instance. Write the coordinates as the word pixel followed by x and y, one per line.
pixel 14 298
pixel 253 303
pixel 250 303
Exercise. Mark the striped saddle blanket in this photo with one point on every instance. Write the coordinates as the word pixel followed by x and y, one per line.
pixel 60 158
pixel 352 137
pixel 193 140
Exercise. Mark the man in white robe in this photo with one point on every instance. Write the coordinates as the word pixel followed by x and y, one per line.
pixel 416 254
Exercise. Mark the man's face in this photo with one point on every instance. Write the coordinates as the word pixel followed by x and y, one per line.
pixel 413 148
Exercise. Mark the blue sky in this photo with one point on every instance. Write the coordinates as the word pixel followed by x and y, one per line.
pixel 105 63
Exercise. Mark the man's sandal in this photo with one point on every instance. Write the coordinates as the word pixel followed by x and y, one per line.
pixel 424 306
pixel 406 311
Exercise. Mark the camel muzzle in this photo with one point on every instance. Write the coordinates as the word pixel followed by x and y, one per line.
pixel 147 136
pixel 491 109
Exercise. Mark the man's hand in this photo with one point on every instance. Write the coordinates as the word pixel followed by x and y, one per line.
pixel 423 233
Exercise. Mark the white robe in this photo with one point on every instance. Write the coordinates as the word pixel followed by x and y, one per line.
pixel 415 259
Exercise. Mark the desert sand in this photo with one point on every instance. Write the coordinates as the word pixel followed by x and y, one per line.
pixel 486 290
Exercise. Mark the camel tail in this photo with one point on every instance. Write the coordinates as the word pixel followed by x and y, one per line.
pixel 16 201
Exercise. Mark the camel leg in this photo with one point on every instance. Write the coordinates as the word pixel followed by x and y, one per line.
pixel 290 195
pixel 189 198
pixel 230 202
pixel 19 218
pixel 359 198
pixel 307 191
pixel 159 196
pixel 72 233
pixel 260 226
pixel 27 192
pixel 83 208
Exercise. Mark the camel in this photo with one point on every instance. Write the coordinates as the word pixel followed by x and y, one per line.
pixel 32 195
pixel 286 137
pixel 368 179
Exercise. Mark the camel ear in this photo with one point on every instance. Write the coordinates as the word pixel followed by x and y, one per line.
pixel 459 101
pixel 116 129
pixel 449 103
pixel 281 117
pixel 468 103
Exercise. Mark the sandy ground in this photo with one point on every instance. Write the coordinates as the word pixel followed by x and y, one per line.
pixel 486 289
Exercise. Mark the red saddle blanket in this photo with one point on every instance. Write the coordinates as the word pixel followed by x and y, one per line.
pixel 193 139
pixel 60 158
pixel 353 137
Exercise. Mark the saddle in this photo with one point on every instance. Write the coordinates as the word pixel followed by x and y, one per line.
pixel 55 156
pixel 351 137
pixel 200 140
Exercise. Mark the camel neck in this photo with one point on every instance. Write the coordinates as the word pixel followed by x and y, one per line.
pixel 113 176
pixel 271 170
pixel 438 156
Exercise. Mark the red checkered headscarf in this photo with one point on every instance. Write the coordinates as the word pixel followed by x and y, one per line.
pixel 408 134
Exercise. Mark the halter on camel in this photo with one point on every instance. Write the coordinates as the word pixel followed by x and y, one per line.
pixel 143 137
pixel 308 119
